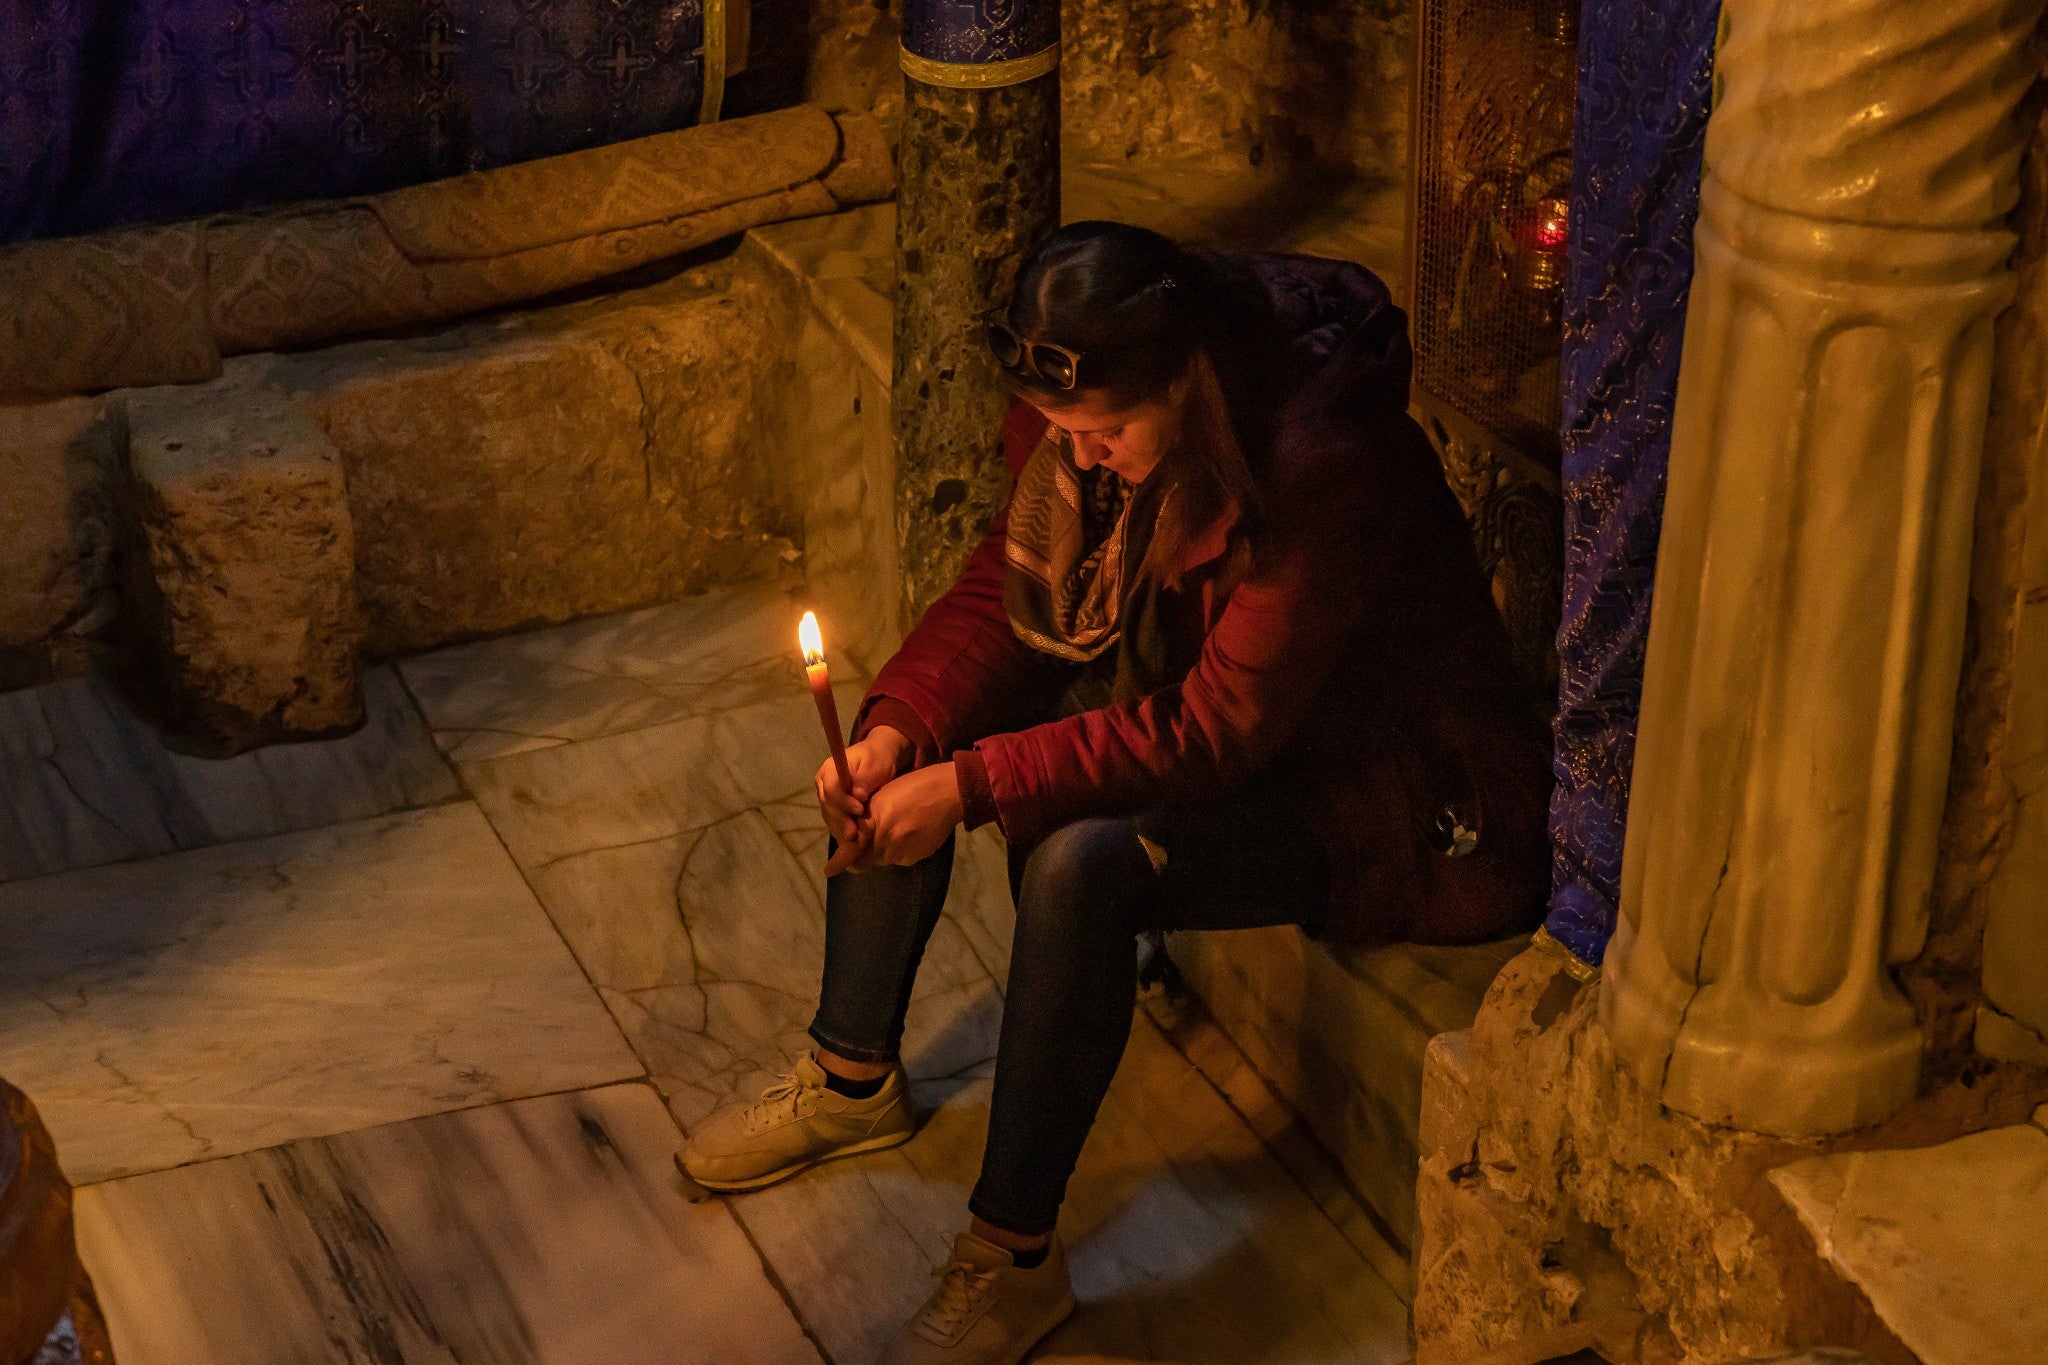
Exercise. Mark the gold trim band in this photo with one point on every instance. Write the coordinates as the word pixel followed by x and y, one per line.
pixel 1573 963
pixel 979 75
pixel 713 100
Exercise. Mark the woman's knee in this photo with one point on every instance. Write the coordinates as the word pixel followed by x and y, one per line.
pixel 1089 874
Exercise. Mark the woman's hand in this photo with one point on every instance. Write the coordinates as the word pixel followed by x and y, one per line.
pixel 872 763
pixel 907 822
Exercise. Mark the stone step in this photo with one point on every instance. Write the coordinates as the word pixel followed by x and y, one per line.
pixel 1341 1034
pixel 1942 1242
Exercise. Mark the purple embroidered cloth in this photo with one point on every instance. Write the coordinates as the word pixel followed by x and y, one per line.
pixel 1644 72
pixel 117 111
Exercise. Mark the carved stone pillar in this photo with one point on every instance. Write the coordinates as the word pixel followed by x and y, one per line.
pixel 979 187
pixel 1807 632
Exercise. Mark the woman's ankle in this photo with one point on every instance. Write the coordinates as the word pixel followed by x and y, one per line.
pixel 1004 1238
pixel 847 1069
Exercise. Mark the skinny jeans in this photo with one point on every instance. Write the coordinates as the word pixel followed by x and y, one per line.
pixel 1087 891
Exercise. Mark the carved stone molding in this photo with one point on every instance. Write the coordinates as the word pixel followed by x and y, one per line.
pixel 1812 580
pixel 1517 522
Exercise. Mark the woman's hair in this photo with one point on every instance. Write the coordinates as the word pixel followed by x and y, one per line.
pixel 1144 312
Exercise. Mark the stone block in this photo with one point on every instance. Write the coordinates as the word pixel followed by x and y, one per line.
pixel 1342 1036
pixel 56 463
pixel 239 589
pixel 832 446
pixel 1669 1236
pixel 551 465
pixel 1447 1127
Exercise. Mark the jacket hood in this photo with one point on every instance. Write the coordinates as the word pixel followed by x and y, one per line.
pixel 1344 336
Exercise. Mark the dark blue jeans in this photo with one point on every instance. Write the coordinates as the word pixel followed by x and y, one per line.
pixel 1087 891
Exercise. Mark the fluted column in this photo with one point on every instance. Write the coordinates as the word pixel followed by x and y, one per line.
pixel 1806 637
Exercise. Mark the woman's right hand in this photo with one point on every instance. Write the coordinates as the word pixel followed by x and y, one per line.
pixel 878 759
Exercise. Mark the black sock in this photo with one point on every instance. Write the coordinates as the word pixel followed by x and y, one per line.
pixel 1030 1260
pixel 854 1090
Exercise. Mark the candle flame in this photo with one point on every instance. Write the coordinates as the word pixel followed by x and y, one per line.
pixel 808 637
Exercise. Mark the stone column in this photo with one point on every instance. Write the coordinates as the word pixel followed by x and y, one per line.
pixel 979 166
pixel 1806 638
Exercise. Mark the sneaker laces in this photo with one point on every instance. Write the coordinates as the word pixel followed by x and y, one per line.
pixel 781 1101
pixel 961 1292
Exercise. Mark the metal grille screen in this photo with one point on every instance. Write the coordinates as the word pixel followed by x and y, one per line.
pixel 1492 157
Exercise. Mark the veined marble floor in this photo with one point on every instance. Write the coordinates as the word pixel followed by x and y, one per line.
pixel 376 1050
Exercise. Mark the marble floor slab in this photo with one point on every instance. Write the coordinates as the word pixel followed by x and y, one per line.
pixel 609 674
pixel 684 864
pixel 227 999
pixel 84 782
pixel 1189 1241
pixel 655 782
pixel 542 1230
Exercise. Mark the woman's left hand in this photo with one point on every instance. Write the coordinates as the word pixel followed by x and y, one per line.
pixel 909 819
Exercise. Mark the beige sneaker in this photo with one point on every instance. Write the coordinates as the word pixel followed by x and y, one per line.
pixel 796 1124
pixel 985 1310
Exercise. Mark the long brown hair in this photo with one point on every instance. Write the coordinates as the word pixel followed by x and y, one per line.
pixel 1144 312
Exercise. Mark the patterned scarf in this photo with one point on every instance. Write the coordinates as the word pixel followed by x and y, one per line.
pixel 1076 540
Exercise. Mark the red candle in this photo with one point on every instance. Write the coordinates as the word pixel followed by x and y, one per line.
pixel 813 645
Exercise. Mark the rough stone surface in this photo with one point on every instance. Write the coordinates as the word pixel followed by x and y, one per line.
pixel 56 463
pixel 38 1253
pixel 239 583
pixel 980 188
pixel 1324 81
pixel 555 464
pixel 1649 1226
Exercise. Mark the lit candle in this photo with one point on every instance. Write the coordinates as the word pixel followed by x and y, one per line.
pixel 813 645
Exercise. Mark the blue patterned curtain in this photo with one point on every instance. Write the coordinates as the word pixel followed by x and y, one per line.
pixel 115 111
pixel 1644 75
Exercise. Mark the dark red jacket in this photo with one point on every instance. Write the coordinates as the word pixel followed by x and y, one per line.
pixel 1362 655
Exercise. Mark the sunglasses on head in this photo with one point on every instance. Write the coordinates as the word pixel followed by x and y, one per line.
pixel 1056 365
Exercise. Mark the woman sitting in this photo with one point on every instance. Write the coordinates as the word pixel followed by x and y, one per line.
pixel 1225 660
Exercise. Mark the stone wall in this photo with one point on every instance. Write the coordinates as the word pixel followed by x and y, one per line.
pixel 1320 81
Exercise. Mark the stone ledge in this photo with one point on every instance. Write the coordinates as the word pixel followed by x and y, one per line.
pixel 828 437
pixel 1341 1035
pixel 1944 1241
pixel 845 265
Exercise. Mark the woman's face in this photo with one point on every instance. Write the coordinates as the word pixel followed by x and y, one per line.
pixel 1130 440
